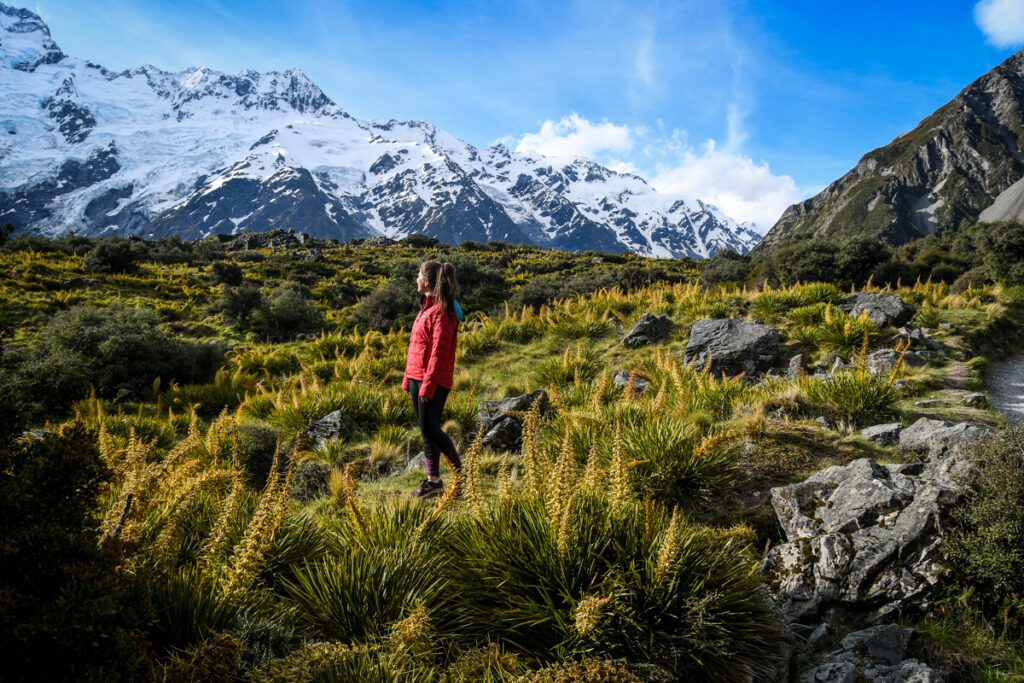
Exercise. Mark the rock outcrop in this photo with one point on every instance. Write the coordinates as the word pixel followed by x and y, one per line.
pixel 882 362
pixel 649 329
pixel 883 434
pixel 501 421
pixel 877 654
pixel 862 539
pixel 732 347
pixel 940 438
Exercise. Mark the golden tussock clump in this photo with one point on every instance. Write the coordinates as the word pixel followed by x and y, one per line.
pixel 247 559
pixel 412 637
pixel 621 490
pixel 669 547
pixel 311 661
pixel 589 612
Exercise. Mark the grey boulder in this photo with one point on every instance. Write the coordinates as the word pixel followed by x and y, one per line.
pixel 309 481
pixel 883 434
pixel 798 366
pixel 501 421
pixel 732 347
pixel 649 329
pixel 336 425
pixel 621 378
pixel 884 309
pixel 882 362
pixel 940 438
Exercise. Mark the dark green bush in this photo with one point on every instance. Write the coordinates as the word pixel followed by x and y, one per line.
pixel 115 255
pixel 238 303
pixel 725 266
pixel 67 613
pixel 419 240
pixel 1001 248
pixel 286 313
pixel 118 350
pixel 227 273
pixel 985 543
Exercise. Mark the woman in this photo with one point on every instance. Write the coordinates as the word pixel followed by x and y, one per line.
pixel 429 367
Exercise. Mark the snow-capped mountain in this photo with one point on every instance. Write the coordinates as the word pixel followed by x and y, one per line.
pixel 199 152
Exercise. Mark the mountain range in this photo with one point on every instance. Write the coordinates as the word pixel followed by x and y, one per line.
pixel 962 164
pixel 199 152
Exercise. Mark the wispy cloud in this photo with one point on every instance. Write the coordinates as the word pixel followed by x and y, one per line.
pixel 643 59
pixel 1002 21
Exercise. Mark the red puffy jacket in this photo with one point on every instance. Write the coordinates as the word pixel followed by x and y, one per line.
pixel 431 357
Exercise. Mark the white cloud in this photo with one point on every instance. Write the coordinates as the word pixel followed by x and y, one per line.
pixel 735 183
pixel 576 136
pixel 1002 21
pixel 743 189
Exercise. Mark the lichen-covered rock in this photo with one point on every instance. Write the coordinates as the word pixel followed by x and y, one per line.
pixel 798 366
pixel 884 309
pixel 336 425
pixel 974 399
pixel 309 481
pixel 732 347
pixel 876 654
pixel 884 434
pixel 940 438
pixel 501 422
pixel 640 384
pixel 861 538
pixel 882 362
pixel 649 329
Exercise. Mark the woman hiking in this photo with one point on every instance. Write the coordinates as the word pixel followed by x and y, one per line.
pixel 429 367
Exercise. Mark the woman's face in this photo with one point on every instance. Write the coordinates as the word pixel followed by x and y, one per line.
pixel 422 286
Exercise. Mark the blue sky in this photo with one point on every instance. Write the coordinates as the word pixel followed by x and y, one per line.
pixel 749 104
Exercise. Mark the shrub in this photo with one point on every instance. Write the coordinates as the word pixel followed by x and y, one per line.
pixel 986 541
pixel 287 312
pixel 67 613
pixel 118 350
pixel 1001 248
pixel 725 267
pixel 238 303
pixel 115 255
pixel 227 273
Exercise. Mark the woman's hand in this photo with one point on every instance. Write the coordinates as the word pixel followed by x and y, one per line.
pixel 424 399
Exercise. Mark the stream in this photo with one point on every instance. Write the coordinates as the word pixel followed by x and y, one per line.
pixel 1006 387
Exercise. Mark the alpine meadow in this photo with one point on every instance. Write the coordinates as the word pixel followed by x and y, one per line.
pixel 685 451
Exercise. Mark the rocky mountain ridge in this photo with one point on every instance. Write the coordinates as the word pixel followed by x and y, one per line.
pixel 963 163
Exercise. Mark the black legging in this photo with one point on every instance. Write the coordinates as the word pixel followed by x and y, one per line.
pixel 435 441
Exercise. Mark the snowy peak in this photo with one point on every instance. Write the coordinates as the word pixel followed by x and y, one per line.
pixel 199 152
pixel 25 40
pixel 194 90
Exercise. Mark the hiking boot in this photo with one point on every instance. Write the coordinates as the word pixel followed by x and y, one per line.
pixel 428 489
